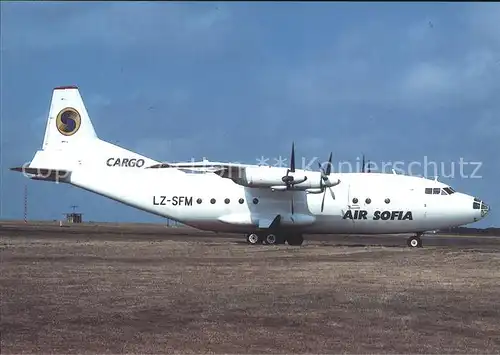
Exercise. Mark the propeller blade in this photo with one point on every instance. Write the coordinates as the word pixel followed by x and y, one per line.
pixel 321 169
pixel 363 165
pixel 292 203
pixel 332 193
pixel 329 167
pixel 292 160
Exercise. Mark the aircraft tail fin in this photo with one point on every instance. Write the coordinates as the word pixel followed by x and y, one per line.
pixel 68 120
pixel 70 141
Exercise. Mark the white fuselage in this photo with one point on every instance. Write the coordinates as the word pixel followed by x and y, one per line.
pixel 397 203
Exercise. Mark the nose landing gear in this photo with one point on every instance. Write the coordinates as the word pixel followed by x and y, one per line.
pixel 415 241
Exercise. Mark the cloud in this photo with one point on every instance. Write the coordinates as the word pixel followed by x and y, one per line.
pixel 421 67
pixel 426 80
pixel 97 100
pixel 472 79
pixel 113 25
pixel 488 125
pixel 482 20
pixel 194 146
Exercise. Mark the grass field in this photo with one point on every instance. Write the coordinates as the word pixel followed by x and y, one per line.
pixel 82 293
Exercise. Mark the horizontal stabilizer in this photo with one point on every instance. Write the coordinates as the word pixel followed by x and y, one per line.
pixel 159 166
pixel 43 174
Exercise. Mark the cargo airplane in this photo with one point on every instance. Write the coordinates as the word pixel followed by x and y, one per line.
pixel 270 205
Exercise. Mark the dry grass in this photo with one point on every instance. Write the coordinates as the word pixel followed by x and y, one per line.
pixel 101 296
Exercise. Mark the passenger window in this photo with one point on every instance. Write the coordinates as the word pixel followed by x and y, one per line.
pixel 436 191
pixel 428 191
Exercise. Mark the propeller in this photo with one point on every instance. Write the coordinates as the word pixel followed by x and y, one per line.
pixel 289 179
pixel 325 182
pixel 368 166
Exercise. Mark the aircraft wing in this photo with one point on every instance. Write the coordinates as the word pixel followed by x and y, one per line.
pixel 258 176
pixel 226 169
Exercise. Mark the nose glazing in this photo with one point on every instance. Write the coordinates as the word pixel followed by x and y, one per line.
pixel 480 205
pixel 485 209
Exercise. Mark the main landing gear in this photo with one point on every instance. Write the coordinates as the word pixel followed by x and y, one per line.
pixel 415 241
pixel 272 239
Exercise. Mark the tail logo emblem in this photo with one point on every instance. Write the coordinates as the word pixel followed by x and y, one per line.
pixel 68 121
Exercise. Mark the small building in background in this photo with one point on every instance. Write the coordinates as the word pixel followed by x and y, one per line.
pixel 73 217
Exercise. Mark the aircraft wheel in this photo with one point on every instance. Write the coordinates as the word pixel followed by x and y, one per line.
pixel 271 239
pixel 253 239
pixel 295 239
pixel 414 242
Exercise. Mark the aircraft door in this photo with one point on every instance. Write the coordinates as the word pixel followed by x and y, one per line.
pixel 352 200
pixel 352 204
pixel 423 202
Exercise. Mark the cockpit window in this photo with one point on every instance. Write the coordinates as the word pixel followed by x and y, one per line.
pixel 438 191
pixel 449 190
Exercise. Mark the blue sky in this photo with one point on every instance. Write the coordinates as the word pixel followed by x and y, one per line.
pixel 234 81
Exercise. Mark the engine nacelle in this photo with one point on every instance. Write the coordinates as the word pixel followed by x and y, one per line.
pixel 264 177
pixel 315 191
pixel 278 188
pixel 273 177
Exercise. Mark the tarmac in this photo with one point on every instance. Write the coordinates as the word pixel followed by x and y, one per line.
pixel 146 231
pixel 140 288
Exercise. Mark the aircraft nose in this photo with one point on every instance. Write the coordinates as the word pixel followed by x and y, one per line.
pixel 485 209
pixel 481 207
